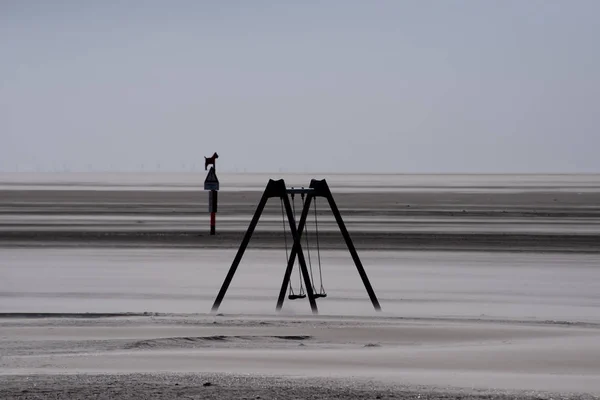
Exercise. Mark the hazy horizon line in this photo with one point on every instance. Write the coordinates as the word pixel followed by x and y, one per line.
pixel 233 172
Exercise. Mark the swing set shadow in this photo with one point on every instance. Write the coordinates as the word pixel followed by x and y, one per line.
pixel 317 188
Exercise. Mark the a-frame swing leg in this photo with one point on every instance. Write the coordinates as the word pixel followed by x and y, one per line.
pixel 297 249
pixel 323 189
pixel 273 188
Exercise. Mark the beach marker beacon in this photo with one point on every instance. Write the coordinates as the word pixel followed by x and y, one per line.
pixel 211 183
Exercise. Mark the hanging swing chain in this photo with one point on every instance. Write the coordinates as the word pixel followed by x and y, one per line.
pixel 322 290
pixel 308 251
pixel 287 259
pixel 291 290
pixel 299 269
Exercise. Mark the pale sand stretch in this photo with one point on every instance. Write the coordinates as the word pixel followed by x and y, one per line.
pixel 345 357
pixel 455 325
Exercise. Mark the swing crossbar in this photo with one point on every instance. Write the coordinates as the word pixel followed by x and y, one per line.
pixel 299 190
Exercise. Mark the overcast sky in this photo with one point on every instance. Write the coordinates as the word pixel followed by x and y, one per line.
pixel 309 86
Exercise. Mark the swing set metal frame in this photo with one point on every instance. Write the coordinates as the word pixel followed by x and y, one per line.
pixel 277 188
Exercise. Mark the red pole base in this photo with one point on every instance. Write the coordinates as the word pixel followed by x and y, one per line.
pixel 212 223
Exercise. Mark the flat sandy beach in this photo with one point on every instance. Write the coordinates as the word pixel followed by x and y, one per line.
pixel 489 288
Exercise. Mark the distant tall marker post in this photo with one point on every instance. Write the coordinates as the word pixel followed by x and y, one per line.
pixel 212 183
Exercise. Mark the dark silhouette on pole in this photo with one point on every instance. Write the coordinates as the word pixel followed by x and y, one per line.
pixel 212 183
pixel 210 160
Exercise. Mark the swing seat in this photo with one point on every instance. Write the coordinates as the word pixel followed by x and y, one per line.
pixel 318 295
pixel 296 296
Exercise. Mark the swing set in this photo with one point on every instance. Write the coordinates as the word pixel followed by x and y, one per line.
pixel 317 188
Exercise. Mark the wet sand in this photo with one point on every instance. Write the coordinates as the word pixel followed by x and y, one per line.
pixel 488 291
pixel 520 220
pixel 227 386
